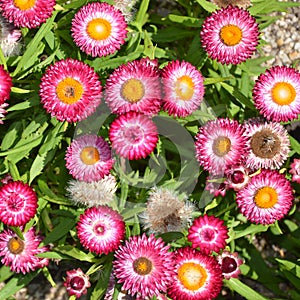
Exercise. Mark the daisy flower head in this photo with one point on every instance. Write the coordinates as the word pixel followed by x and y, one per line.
pixel 99 29
pixel 208 233
pixel 183 88
pixel 276 94
pixel 144 266
pixel 134 86
pixel 133 135
pixel 295 170
pixel 18 203
pixel 88 158
pixel 5 85
pixel 230 35
pixel 267 198
pixel 219 144
pixel 77 282
pixel 20 255
pixel 198 276
pixel 268 144
pixel 230 263
pixel 70 90
pixel 100 229
pixel 29 13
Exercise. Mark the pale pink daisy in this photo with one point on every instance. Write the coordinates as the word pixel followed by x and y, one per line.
pixel 5 85
pixel 295 170
pixel 230 263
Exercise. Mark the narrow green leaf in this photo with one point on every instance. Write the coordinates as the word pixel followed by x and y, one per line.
pixel 252 229
pixel 295 144
pixel 142 16
pixel 34 101
pixel 5 273
pixel 213 80
pixel 186 21
pixel 76 253
pixel 19 90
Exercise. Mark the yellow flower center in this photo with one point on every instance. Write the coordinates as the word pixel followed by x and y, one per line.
pixel 142 266
pixel 283 93
pixel 24 4
pixel 184 87
pixel 221 146
pixel 266 197
pixel 192 276
pixel 69 90
pixel 15 245
pixel 132 90
pixel 99 29
pixel 89 155
pixel 231 35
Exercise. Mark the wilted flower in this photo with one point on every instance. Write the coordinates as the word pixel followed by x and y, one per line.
pixel 230 263
pixel 77 283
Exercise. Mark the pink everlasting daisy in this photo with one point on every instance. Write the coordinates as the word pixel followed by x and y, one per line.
pixel 219 144
pixel 99 29
pixel 20 255
pixel 230 35
pixel 88 158
pixel 267 198
pixel 18 203
pixel 77 283
pixel 230 263
pixel 5 85
pixel 209 233
pixel 144 266
pixel 183 88
pixel 70 90
pixel 133 135
pixel 276 94
pixel 295 170
pixel 134 86
pixel 100 229
pixel 30 13
pixel 198 276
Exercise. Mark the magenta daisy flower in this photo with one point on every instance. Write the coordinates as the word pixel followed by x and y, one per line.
pixel 276 94
pixel 230 35
pixel 77 283
pixel 100 229
pixel 209 233
pixel 230 263
pixel 219 144
pixel 5 85
pixel 295 170
pixel 30 13
pixel 198 276
pixel 144 266
pixel 266 198
pixel 88 158
pixel 70 90
pixel 183 88
pixel 20 255
pixel 134 86
pixel 268 144
pixel 133 135
pixel 18 203
pixel 99 29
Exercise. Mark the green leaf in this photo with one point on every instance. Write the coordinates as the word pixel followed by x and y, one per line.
pixel 76 253
pixel 142 16
pixel 208 6
pixel 295 144
pixel 251 229
pixel 213 80
pixel 186 21
pixel 172 34
pixel 5 273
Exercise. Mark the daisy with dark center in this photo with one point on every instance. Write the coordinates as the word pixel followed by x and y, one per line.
pixel 88 158
pixel 267 198
pixel 101 229
pixel 230 35
pixel 70 90
pixel 18 203
pixel 208 233
pixel 99 29
pixel 198 276
pixel 230 263
pixel 219 144
pixel 276 94
pixel 27 13
pixel 182 87
pixel 21 255
pixel 5 85
pixel 134 86
pixel 133 135
pixel 144 266
pixel 77 283
pixel 268 144
pixel 295 170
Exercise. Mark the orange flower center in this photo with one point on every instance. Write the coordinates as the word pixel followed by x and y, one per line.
pixel 192 276
pixel 132 90
pixel 184 87
pixel 89 155
pixel 231 35
pixel 266 197
pixel 283 93
pixel 221 146
pixel 24 4
pixel 69 90
pixel 15 245
pixel 142 266
pixel 99 29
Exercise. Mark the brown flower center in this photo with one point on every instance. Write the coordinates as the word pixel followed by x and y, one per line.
pixel 221 146
pixel 69 90
pixel 89 155
pixel 15 245
pixel 142 266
